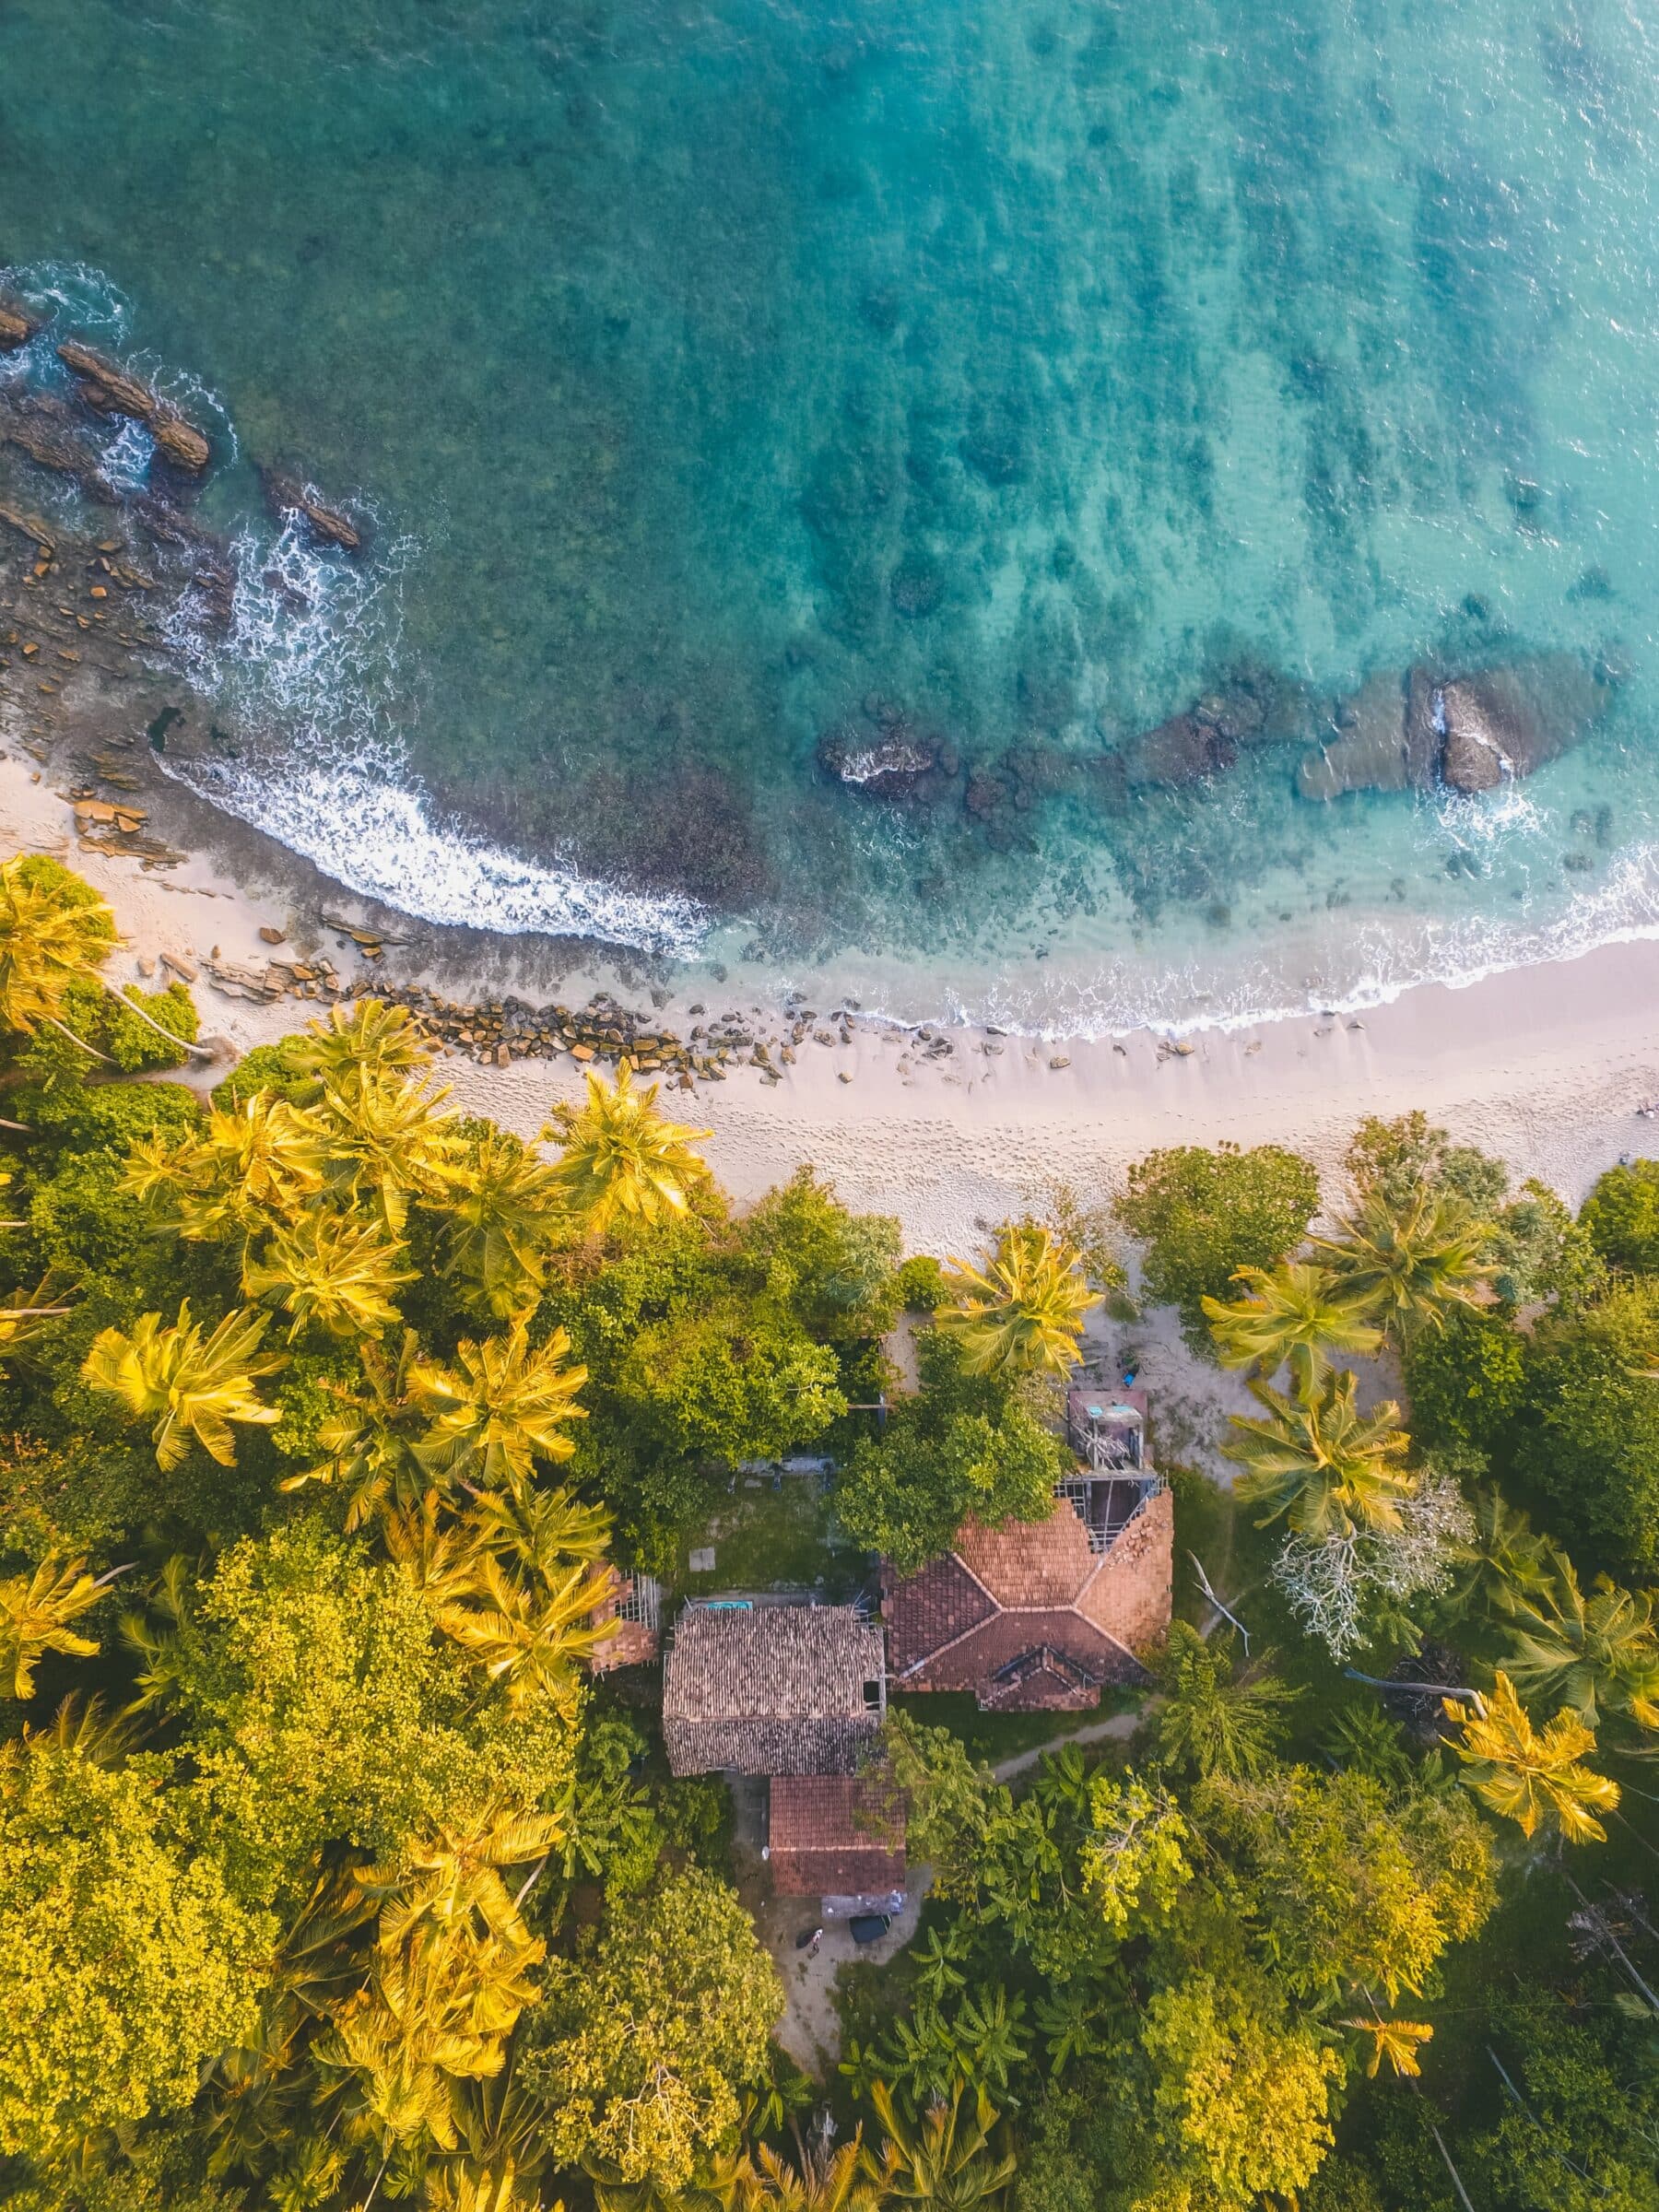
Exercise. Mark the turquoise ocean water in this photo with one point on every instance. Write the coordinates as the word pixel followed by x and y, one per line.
pixel 721 375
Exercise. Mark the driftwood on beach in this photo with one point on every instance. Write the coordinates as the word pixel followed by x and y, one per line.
pixel 108 387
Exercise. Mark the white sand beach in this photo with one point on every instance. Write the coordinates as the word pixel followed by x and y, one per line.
pixel 1544 1066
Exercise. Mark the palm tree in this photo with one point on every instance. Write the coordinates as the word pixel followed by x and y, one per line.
pixel 619 1158
pixel 25 1313
pixel 500 1405
pixel 1535 1778
pixel 35 1613
pixel 1023 1313
pixel 339 1274
pixel 529 1643
pixel 1292 1314
pixel 1408 1265
pixel 1398 2041
pixel 370 1041
pixel 1598 1655
pixel 539 1532
pixel 824 2178
pixel 1506 1563
pixel 1318 1461
pixel 184 1384
pixel 55 931
pixel 453 1877
pixel 500 1220
pixel 263 1161
pixel 389 1138
pixel 947 2160
pixel 1211 1721
pixel 371 1440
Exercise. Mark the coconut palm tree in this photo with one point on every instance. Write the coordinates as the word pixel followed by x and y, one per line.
pixel 371 1441
pixel 1293 1315
pixel 949 2159
pixel 1022 1313
pixel 825 2178
pixel 370 1040
pixel 1407 1266
pixel 620 1159
pixel 1535 1777
pixel 340 1274
pixel 24 1316
pixel 454 1877
pixel 389 1139
pixel 503 1212
pixel 185 1383
pixel 55 931
pixel 1318 1462
pixel 538 1532
pixel 262 1161
pixel 498 1407
pixel 1398 2041
pixel 35 1613
pixel 1505 1563
pixel 527 1640
pixel 1212 1721
pixel 1598 1657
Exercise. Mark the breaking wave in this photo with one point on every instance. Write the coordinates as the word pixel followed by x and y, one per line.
pixel 303 676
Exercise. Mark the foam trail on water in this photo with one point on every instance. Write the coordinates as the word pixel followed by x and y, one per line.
pixel 311 648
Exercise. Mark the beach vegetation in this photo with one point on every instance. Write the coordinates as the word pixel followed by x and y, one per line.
pixel 333 1876
pixel 1204 1214
pixel 1021 1312
pixel 965 1445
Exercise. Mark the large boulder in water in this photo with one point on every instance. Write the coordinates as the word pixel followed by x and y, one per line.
pixel 1470 733
pixel 17 325
pixel 1502 723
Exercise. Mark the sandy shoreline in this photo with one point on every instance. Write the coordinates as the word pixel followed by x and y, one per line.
pixel 1543 1066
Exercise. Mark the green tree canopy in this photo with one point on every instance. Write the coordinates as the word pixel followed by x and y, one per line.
pixel 1202 1214
pixel 645 2041
pixel 126 1961
pixel 965 1445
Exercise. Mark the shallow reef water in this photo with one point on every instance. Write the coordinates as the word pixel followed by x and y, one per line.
pixel 738 387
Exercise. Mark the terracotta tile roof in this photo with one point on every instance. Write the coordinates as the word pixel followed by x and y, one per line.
pixel 782 1689
pixel 1029 1562
pixel 1007 1596
pixel 833 1836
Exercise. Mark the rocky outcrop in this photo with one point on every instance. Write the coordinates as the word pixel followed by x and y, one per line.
pixel 882 755
pixel 108 388
pixel 1369 751
pixel 17 325
pixel 1469 732
pixel 1181 750
pixel 1253 705
pixel 286 495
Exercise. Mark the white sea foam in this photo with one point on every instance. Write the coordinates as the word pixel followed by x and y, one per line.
pixel 125 461
pixel 303 676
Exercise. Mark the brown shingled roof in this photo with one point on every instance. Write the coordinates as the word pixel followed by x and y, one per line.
pixel 832 1835
pixel 781 1690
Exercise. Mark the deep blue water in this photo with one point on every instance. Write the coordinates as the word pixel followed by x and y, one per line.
pixel 1000 372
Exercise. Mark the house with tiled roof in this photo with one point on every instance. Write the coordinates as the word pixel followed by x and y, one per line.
pixel 838 1837
pixel 772 1690
pixel 1041 1615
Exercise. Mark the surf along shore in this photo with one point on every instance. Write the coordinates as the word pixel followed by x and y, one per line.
pixel 951 1130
